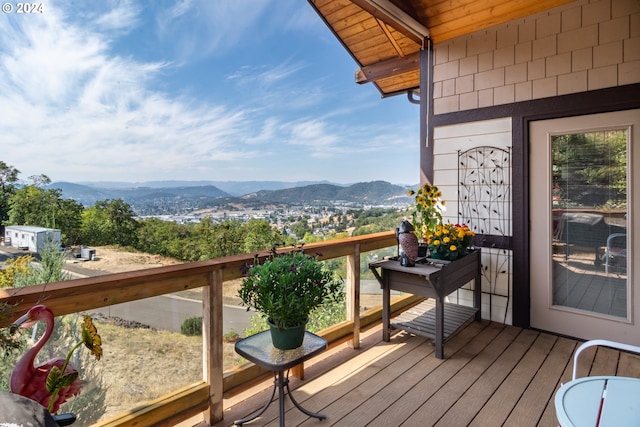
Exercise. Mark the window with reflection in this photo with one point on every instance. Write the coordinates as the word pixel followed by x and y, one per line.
pixel 589 211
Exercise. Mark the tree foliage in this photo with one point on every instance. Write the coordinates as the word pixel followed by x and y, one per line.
pixel 33 205
pixel 110 222
pixel 590 169
pixel 206 239
pixel 24 271
pixel 15 268
pixel 38 206
pixel 8 180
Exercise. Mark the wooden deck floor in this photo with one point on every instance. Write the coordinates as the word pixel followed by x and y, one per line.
pixel 493 375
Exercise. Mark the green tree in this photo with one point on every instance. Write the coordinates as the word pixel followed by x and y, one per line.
pixel 260 235
pixel 34 205
pixel 69 220
pixel 45 207
pixel 26 271
pixel 589 169
pixel 204 236
pixel 156 236
pixel 8 180
pixel 110 222
pixel 94 229
pixel 229 239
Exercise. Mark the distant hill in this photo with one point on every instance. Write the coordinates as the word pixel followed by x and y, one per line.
pixel 233 188
pixel 81 193
pixel 374 192
pixel 88 195
pixel 174 199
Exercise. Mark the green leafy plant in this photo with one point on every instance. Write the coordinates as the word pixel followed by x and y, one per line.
pixel 15 270
pixel 231 336
pixel 8 342
pixel 427 214
pixel 192 326
pixel 288 286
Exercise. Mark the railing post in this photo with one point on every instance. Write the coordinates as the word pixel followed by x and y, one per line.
pixel 353 293
pixel 212 359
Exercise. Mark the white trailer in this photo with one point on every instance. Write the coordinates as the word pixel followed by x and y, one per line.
pixel 31 238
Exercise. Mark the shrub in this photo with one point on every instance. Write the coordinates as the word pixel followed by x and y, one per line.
pixel 192 326
pixel 231 336
pixel 288 286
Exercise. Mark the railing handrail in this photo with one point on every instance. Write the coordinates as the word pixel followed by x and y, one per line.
pixel 89 293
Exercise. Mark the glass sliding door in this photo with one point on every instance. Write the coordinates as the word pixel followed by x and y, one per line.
pixel 589 211
pixel 583 193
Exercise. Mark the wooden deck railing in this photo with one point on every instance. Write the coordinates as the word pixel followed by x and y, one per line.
pixel 80 295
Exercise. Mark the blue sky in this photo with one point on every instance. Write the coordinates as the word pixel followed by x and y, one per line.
pixel 193 90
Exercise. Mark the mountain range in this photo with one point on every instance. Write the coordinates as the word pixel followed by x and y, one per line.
pixel 233 188
pixel 172 197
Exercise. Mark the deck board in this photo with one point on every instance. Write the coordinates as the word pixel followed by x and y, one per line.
pixel 401 405
pixel 540 391
pixel 466 408
pixel 443 401
pixel 492 375
pixel 365 385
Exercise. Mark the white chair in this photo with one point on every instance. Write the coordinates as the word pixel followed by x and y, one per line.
pixel 604 343
pixel 599 401
pixel 613 252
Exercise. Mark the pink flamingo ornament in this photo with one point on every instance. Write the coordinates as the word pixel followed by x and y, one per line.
pixel 30 381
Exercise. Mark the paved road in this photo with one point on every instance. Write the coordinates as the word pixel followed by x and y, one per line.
pixel 165 312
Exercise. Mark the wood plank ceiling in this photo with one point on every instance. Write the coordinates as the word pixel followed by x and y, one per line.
pixel 382 38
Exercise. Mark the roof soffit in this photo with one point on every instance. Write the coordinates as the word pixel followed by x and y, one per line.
pixel 387 51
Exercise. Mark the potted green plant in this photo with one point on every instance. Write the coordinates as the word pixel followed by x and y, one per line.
pixel 285 288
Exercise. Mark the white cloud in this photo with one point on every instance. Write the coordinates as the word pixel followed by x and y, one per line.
pixel 200 29
pixel 66 100
pixel 123 16
pixel 265 76
pixel 314 135
pixel 283 87
pixel 79 103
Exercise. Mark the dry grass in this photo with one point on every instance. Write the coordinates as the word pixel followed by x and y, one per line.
pixel 113 260
pixel 142 364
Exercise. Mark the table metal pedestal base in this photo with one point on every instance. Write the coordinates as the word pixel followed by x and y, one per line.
pixel 280 383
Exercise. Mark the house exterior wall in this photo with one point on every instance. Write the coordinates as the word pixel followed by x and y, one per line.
pixel 449 141
pixel 580 47
pixel 583 46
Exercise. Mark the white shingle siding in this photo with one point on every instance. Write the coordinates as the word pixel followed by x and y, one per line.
pixel 585 45
pixel 447 141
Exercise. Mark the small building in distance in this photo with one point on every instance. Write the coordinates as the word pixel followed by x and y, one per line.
pixel 31 238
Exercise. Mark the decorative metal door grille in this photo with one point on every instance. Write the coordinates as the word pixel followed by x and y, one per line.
pixel 484 203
